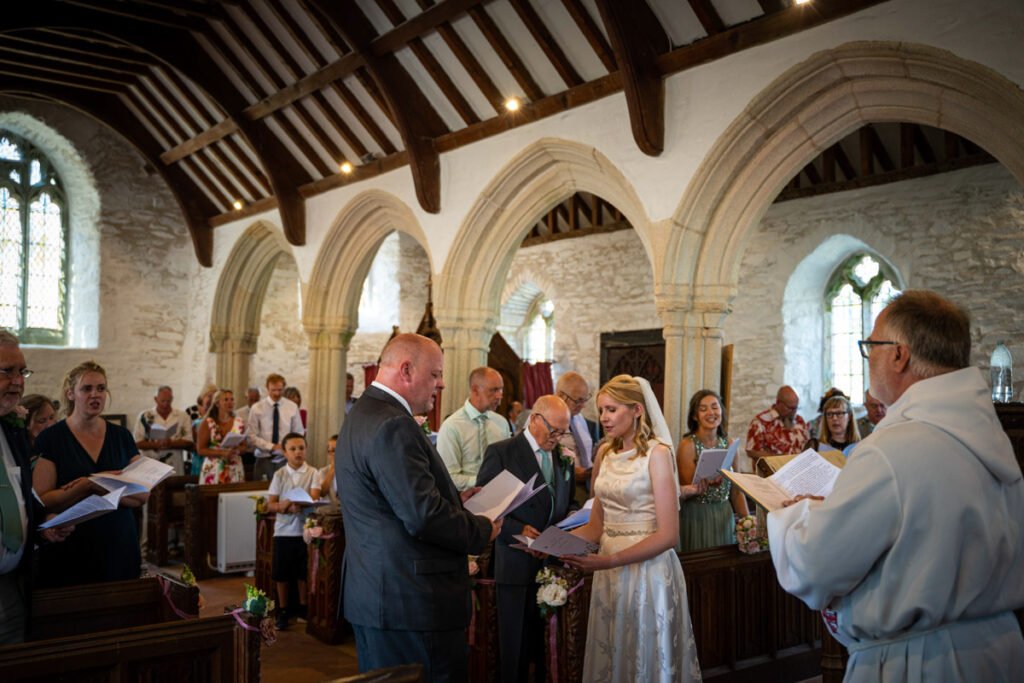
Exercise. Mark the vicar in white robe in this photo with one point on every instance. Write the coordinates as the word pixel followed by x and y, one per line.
pixel 916 558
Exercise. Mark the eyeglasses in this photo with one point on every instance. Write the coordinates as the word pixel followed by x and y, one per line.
pixel 574 401
pixel 835 413
pixel 556 433
pixel 11 371
pixel 865 346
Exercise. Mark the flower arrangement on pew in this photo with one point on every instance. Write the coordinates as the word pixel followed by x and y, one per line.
pixel 750 535
pixel 312 532
pixel 260 606
pixel 261 509
pixel 189 579
pixel 553 591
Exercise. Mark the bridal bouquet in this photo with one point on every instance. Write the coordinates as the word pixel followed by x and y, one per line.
pixel 553 591
pixel 750 536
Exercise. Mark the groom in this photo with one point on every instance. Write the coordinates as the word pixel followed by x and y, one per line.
pixel 405 580
pixel 535 450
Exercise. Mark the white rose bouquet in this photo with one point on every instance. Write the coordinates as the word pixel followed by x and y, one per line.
pixel 750 536
pixel 553 591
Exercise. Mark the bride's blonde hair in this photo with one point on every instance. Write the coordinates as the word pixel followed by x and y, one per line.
pixel 627 391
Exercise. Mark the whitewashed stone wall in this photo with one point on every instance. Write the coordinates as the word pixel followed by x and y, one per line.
pixel 283 346
pixel 411 271
pixel 961 234
pixel 600 283
pixel 154 297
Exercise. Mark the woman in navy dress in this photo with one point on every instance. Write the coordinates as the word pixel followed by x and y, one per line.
pixel 105 548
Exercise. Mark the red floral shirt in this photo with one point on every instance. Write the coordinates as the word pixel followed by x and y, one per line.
pixel 767 433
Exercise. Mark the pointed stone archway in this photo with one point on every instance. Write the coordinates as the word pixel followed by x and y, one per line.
pixel 331 311
pixel 804 111
pixel 238 301
pixel 471 284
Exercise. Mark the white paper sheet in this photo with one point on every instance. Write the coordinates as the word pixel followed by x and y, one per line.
pixel 302 497
pixel 86 509
pixel 502 495
pixel 555 541
pixel 139 477
pixel 712 460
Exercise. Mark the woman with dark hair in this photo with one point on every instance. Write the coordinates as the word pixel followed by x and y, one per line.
pixel 41 413
pixel 706 520
pixel 837 426
pixel 105 548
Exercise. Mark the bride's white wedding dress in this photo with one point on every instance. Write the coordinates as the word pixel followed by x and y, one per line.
pixel 639 627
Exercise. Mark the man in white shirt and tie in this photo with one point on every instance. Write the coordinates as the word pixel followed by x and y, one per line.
pixel 270 419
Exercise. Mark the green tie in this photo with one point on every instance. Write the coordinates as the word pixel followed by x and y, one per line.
pixel 10 515
pixel 545 466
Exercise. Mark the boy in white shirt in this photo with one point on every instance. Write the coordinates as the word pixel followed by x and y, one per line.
pixel 289 548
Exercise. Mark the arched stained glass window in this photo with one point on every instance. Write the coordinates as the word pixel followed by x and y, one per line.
pixel 857 292
pixel 33 244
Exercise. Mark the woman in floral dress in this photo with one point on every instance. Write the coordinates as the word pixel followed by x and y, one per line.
pixel 220 465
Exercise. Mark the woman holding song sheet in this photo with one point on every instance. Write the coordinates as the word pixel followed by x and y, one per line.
pixel 221 465
pixel 706 520
pixel 639 625
pixel 84 444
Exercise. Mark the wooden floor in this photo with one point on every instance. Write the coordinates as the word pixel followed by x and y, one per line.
pixel 296 657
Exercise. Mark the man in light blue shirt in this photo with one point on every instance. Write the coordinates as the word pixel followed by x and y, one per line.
pixel 467 432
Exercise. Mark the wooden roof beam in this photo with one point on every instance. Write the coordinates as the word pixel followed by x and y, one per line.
pixel 84 45
pixel 707 15
pixel 547 43
pixel 10 43
pixel 638 39
pixel 195 206
pixel 771 6
pixel 507 53
pixel 152 15
pixel 592 33
pixel 417 121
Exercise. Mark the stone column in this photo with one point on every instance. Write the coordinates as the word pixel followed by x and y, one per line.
pixel 693 349
pixel 234 351
pixel 466 339
pixel 328 358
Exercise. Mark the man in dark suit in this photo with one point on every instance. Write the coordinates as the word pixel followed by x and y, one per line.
pixel 535 450
pixel 19 510
pixel 405 580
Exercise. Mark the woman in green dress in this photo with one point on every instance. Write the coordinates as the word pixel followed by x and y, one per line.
pixel 706 520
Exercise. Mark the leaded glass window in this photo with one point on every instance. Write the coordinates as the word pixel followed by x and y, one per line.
pixel 857 292
pixel 33 244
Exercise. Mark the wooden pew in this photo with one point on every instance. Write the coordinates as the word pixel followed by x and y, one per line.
pixel 324 581
pixel 213 650
pixel 201 522
pixel 164 511
pixel 262 577
pixel 59 612
pixel 408 673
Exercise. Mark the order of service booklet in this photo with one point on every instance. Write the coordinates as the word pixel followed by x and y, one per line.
pixel 86 509
pixel 806 474
pixel 714 459
pixel 555 541
pixel 139 477
pixel 502 495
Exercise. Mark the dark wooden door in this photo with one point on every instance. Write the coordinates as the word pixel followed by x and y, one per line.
pixel 640 353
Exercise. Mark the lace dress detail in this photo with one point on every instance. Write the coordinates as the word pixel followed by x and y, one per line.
pixel 639 625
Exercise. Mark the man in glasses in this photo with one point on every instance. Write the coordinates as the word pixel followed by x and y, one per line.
pixel 584 435
pixel 876 412
pixel 534 451
pixel 915 556
pixel 778 430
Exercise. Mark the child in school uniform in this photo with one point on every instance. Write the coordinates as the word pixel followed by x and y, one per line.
pixel 289 548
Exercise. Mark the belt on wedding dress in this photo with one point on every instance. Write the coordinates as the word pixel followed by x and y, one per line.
pixel 630 528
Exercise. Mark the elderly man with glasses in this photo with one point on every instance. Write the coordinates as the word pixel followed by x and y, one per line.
pixel 534 451
pixel 778 430
pixel 583 436
pixel 915 555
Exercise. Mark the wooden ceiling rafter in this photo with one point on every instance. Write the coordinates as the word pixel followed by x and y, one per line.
pixel 154 16
pixel 84 45
pixel 315 100
pixel 708 16
pixel 30 73
pixel 13 44
pixel 638 39
pixel 430 64
pixel 588 27
pixel 415 117
pixel 539 30
pixel 509 57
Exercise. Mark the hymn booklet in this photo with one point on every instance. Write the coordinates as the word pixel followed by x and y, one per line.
pixel 86 509
pixel 139 477
pixel 806 474
pixel 302 498
pixel 714 459
pixel 556 542
pixel 502 495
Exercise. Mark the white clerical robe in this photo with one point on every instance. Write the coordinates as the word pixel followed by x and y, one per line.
pixel 917 553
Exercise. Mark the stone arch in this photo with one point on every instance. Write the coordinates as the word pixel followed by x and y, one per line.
pixel 83 286
pixel 471 283
pixel 331 312
pixel 238 300
pixel 807 109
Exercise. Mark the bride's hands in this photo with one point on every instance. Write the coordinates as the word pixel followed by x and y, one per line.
pixel 588 563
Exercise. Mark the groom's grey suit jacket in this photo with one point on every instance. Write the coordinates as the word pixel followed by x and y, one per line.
pixel 406 533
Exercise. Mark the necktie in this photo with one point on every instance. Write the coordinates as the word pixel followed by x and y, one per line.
pixel 481 433
pixel 10 515
pixel 545 466
pixel 275 435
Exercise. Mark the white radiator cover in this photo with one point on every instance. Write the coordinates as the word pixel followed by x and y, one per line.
pixel 236 532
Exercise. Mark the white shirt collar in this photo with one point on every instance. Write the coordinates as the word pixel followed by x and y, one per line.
pixel 394 393
pixel 530 440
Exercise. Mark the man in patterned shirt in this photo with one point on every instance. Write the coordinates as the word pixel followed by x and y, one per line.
pixel 778 430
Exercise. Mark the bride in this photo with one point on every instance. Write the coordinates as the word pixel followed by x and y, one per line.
pixel 639 627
